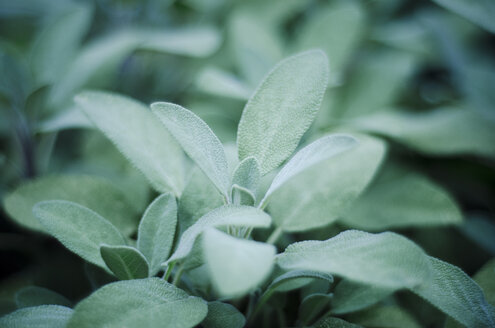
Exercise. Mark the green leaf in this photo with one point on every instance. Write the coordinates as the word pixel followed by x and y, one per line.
pixel 324 192
pixel 316 152
pixel 93 192
pixel 78 228
pixel 236 266
pixel 295 279
pixel 330 322
pixel 138 135
pixel 386 259
pixel 454 293
pixel 223 315
pixel 247 176
pixel 480 12
pixel 125 262
pixel 147 302
pixel 312 305
pixel 212 80
pixel 157 230
pixel 43 316
pixel 198 141
pixel 351 297
pixel 282 109
pixel 404 200
pixel 385 316
pixel 481 231
pixel 229 215
pixel 33 296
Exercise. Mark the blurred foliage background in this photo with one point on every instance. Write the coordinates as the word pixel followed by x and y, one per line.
pixel 419 74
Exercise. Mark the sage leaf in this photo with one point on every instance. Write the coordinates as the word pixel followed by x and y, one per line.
pixel 383 316
pixel 324 192
pixel 312 305
pixel 480 12
pixel 34 296
pixel 316 152
pixel 295 279
pixel 157 230
pixel 217 82
pixel 247 175
pixel 147 302
pixel 236 266
pixel 351 297
pixel 282 109
pixel 197 140
pixel 96 193
pixel 330 322
pixel 480 230
pixel 386 259
pixel 223 315
pixel 78 228
pixel 229 215
pixel 138 135
pixel 125 262
pixel 43 316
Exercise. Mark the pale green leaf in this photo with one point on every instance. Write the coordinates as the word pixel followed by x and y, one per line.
pixel 34 296
pixel 43 316
pixel 96 193
pixel 70 118
pixel 78 228
pixel 138 134
pixel 247 175
pixel 157 230
pixel 324 192
pixel 386 316
pixel 404 200
pixel 316 152
pixel 236 266
pixel 480 12
pixel 217 82
pixel 386 259
pixel 125 262
pixel 147 303
pixel 351 297
pixel 197 140
pixel 229 215
pixel 223 315
pixel 282 109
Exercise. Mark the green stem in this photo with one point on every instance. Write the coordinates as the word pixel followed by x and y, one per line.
pixel 274 236
pixel 167 273
pixel 177 275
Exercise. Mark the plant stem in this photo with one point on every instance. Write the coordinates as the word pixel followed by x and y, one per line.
pixel 177 275
pixel 167 273
pixel 274 236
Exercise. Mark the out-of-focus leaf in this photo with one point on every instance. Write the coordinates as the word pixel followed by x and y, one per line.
pixel 223 315
pixel 43 316
pixel 138 134
pixel 312 305
pixel 385 316
pixel 125 262
pixel 217 82
pixel 34 296
pixel 480 230
pixel 70 118
pixel 480 12
pixel 350 296
pixel 330 322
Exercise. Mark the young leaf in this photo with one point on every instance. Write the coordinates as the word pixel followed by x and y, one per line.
pixel 236 266
pixel 386 259
pixel 480 12
pixel 282 109
pixel 197 140
pixel 324 192
pixel 223 315
pixel 78 228
pixel 125 262
pixel 157 230
pixel 43 316
pixel 231 215
pixel 295 279
pixel 138 135
pixel 454 293
pixel 33 296
pixel 247 175
pixel 351 297
pixel 147 302
pixel 93 192
pixel 316 152
pixel 312 305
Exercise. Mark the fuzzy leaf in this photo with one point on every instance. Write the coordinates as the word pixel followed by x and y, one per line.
pixel 147 302
pixel 125 262
pixel 93 192
pixel 43 316
pixel 386 259
pixel 247 175
pixel 236 266
pixel 197 140
pixel 295 279
pixel 157 230
pixel 351 297
pixel 330 322
pixel 78 228
pixel 33 296
pixel 138 135
pixel 231 215
pixel 324 192
pixel 312 305
pixel 282 109
pixel 223 315
pixel 385 316
pixel 480 12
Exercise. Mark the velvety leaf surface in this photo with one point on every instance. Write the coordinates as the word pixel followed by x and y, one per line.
pixel 282 109
pixel 330 322
pixel 78 228
pixel 350 296
pixel 43 316
pixel 125 262
pixel 247 175
pixel 33 296
pixel 312 305
pixel 223 315
pixel 138 134
pixel 295 279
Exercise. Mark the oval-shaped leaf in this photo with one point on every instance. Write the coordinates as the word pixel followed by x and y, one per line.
pixel 43 316
pixel 93 192
pixel 147 302
pixel 312 305
pixel 157 230
pixel 78 228
pixel 386 259
pixel 137 133
pixel 235 216
pixel 33 296
pixel 282 109
pixel 236 266
pixel 197 140
pixel 125 262
pixel 223 315
pixel 247 175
